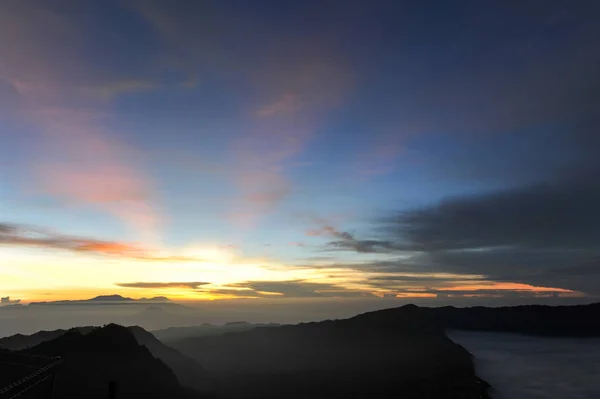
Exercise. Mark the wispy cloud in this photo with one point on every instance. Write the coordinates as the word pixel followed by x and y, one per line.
pixel 344 241
pixel 296 244
pixel 187 284
pixel 75 156
pixel 290 289
pixel 287 104
pixel 379 155
pixel 460 285
pixel 81 164
pixel 26 236
pixel 291 90
pixel 110 90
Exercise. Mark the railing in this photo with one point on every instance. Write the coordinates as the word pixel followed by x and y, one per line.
pixel 26 383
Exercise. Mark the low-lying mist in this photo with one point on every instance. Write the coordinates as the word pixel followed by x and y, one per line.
pixel 27 319
pixel 523 367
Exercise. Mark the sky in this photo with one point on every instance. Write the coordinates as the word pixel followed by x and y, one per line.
pixel 299 151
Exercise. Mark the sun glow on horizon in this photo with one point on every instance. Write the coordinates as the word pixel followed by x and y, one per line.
pixel 219 274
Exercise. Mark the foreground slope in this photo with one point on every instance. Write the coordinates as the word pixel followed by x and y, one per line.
pixel 19 341
pixel 177 333
pixel 110 353
pixel 188 371
pixel 391 353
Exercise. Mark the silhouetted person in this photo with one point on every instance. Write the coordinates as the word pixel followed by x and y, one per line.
pixel 112 390
pixel 52 386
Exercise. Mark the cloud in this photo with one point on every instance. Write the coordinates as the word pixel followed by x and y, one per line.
pixel 499 287
pixel 560 215
pixel 382 156
pixel 458 284
pixel 540 229
pixel 5 300
pixel 81 165
pixel 296 244
pixel 543 233
pixel 233 293
pixel 291 90
pixel 74 155
pixel 424 279
pixel 514 293
pixel 286 104
pixel 291 289
pixel 187 284
pixel 347 242
pixel 291 84
pixel 110 90
pixel 25 236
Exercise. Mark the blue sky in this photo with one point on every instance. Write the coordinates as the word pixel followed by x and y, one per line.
pixel 281 132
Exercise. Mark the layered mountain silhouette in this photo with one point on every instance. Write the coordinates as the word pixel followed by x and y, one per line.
pixel 188 371
pixel 19 341
pixel 401 352
pixel 177 333
pixel 385 354
pixel 149 313
pixel 108 299
pixel 111 353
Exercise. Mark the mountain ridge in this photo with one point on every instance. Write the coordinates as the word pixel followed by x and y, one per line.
pixel 400 352
pixel 113 299
pixel 109 354
pixel 177 333
pixel 188 371
pixel 536 320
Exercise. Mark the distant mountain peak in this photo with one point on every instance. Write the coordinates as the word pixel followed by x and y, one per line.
pixel 104 299
pixel 113 297
pixel 155 299
pixel 237 323
pixel 111 338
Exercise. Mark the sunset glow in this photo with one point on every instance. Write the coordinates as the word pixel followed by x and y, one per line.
pixel 242 159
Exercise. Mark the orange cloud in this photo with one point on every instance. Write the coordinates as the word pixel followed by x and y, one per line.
pixel 324 231
pixel 80 164
pixel 25 236
pixel 502 286
pixel 126 250
pixel 415 295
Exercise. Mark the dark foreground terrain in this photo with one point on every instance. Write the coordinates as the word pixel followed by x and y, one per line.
pixel 91 361
pixel 401 352
pixel 392 353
